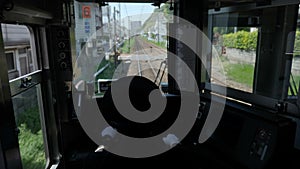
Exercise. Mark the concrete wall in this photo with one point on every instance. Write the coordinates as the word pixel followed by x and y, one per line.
pixel 240 56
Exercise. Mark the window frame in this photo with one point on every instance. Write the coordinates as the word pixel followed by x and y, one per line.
pixel 14 61
pixel 250 98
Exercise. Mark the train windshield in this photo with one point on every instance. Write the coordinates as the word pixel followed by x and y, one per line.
pixel 115 40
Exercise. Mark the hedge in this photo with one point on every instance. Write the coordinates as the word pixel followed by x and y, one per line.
pixel 241 40
pixel 248 40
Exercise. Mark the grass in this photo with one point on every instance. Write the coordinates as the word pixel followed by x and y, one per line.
pixel 31 139
pixel 241 73
pixel 32 148
pixel 161 44
pixel 297 80
pixel 109 71
pixel 127 46
pixel 244 74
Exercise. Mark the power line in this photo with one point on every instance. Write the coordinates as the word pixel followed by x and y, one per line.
pixel 128 27
pixel 142 10
pixel 126 9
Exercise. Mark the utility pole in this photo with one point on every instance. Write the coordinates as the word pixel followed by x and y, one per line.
pixel 115 39
pixel 101 20
pixel 120 20
pixel 158 28
pixel 109 26
pixel 129 26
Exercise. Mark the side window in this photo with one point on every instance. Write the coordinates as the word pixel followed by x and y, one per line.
pixel 21 61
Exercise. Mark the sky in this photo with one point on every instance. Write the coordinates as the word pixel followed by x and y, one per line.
pixel 133 8
pixel 136 11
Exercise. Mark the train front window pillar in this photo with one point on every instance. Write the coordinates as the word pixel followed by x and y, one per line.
pixel 276 40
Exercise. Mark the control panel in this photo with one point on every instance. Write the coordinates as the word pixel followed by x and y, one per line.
pixel 61 68
pixel 260 144
pixel 63 52
pixel 253 138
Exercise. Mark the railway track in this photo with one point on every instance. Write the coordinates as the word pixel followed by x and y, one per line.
pixel 148 57
pixel 154 49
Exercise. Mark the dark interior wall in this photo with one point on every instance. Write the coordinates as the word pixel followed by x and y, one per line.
pixel 37 3
pixel 271 69
pixel 35 11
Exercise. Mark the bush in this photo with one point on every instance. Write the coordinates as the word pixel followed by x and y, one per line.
pixel 32 148
pixel 31 119
pixel 248 40
pixel 31 139
pixel 241 40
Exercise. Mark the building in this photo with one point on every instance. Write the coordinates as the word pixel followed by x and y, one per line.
pixel 17 42
pixel 135 27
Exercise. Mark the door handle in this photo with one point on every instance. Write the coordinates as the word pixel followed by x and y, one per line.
pixel 26 82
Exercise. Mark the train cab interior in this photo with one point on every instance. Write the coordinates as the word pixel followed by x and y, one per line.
pixel 90 84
